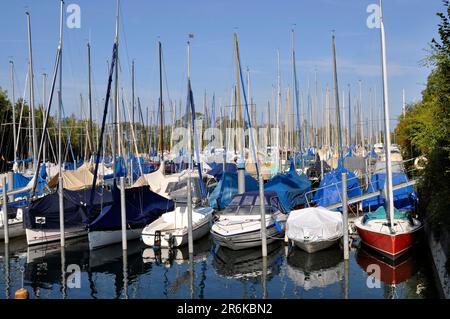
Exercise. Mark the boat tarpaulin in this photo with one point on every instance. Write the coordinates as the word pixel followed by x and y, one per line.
pixel 380 213
pixel 43 213
pixel 330 188
pixel 227 187
pixel 314 224
pixel 217 169
pixel 403 197
pixel 74 180
pixel 142 207
pixel 290 188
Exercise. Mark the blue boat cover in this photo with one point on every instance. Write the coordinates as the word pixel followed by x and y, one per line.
pixel 21 181
pixel 403 197
pixel 43 213
pixel 290 188
pixel 380 213
pixel 228 187
pixel 372 154
pixel 217 169
pixel 142 206
pixel 330 188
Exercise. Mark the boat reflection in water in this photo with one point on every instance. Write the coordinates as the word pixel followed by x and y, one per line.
pixel 179 255
pixel 45 263
pixel 393 273
pixel 317 270
pixel 247 264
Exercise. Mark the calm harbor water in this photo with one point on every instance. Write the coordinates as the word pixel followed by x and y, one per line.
pixel 216 273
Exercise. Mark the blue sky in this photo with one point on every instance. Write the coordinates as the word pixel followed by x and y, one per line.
pixel 263 27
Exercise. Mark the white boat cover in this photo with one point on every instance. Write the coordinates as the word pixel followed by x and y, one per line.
pixel 314 224
pixel 158 182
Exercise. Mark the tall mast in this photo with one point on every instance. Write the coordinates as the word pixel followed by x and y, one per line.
pixel 91 136
pixel 161 114
pixel 278 111
pixel 132 93
pixel 116 97
pixel 336 100
pixel 44 90
pixel 349 118
pixel 13 104
pixel 31 79
pixel 189 194
pixel 238 97
pixel 60 97
pixel 361 115
pixel 387 134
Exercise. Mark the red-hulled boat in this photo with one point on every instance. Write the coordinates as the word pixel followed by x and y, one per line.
pixel 387 231
pixel 391 241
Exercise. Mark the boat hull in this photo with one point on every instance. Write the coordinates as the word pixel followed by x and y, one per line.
pixel 178 237
pixel 42 236
pixel 392 245
pixel 14 230
pixel 312 247
pixel 246 239
pixel 98 239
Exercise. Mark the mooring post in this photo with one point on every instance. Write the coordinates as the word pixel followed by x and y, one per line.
pixel 189 212
pixel 123 213
pixel 7 276
pixel 5 210
pixel 241 176
pixel 264 277
pixel 125 273
pixel 263 216
pixel 11 184
pixel 61 211
pixel 345 215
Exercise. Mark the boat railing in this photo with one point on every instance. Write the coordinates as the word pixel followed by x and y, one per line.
pixel 364 182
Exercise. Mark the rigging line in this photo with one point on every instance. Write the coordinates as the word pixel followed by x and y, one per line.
pixel 69 140
pixel 124 38
pixel 21 112
pixel 165 75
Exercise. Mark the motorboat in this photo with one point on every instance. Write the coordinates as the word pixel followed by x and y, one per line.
pixel 239 224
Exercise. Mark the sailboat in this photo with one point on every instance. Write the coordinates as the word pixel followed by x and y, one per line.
pixel 142 206
pixel 171 229
pixel 387 230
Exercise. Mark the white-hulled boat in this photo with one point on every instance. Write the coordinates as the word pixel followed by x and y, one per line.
pixel 15 225
pixel 314 228
pixel 170 230
pixel 239 225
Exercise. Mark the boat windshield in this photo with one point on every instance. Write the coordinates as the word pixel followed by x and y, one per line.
pixel 247 205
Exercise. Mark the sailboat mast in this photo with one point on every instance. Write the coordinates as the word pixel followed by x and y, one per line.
pixel 349 118
pixel 116 99
pixel 31 79
pixel 44 89
pixel 278 112
pixel 161 118
pixel 13 104
pixel 91 136
pixel 336 100
pixel 60 160
pixel 387 135
pixel 239 104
